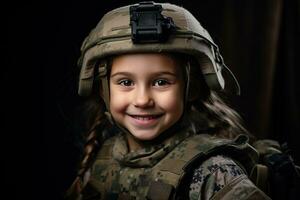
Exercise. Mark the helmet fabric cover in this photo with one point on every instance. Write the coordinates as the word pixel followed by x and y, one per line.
pixel 113 36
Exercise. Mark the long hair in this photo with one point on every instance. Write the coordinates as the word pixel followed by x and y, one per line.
pixel 210 112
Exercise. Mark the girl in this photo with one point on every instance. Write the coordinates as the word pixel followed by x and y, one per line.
pixel 158 130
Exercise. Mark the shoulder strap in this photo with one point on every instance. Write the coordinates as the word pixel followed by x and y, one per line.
pixel 178 166
pixel 259 176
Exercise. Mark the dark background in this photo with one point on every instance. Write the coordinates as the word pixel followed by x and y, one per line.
pixel 259 40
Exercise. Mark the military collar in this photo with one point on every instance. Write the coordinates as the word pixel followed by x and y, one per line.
pixel 151 154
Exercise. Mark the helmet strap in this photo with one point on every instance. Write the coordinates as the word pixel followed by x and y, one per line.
pixel 105 94
pixel 187 86
pixel 103 75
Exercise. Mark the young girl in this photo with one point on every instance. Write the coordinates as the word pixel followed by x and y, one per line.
pixel 157 128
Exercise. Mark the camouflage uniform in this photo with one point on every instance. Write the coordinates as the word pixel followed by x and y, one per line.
pixel 214 175
pixel 188 157
pixel 156 171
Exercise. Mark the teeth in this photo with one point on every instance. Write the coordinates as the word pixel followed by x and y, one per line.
pixel 144 117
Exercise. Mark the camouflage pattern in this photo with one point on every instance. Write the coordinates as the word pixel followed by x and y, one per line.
pixel 120 174
pixel 215 175
pixel 112 36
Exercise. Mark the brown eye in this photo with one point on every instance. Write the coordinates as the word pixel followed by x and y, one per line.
pixel 160 82
pixel 126 82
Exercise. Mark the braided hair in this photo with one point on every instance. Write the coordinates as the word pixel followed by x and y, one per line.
pixel 220 119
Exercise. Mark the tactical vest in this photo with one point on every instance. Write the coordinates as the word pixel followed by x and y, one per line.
pixel 112 179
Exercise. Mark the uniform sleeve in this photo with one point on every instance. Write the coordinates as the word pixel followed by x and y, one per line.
pixel 220 177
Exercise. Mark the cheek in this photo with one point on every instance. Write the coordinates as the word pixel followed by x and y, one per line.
pixel 172 102
pixel 117 102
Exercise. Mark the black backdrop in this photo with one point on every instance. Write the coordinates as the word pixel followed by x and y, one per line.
pixel 259 41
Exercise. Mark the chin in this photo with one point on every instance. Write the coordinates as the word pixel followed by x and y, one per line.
pixel 146 136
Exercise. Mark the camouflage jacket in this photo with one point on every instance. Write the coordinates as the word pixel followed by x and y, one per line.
pixel 220 177
pixel 184 166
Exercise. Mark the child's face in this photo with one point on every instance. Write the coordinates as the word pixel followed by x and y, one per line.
pixel 146 93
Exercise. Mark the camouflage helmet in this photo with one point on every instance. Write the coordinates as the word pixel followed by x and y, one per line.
pixel 175 30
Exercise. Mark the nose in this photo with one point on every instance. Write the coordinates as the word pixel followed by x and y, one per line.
pixel 143 98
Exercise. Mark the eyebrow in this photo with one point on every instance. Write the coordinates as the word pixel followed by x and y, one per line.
pixel 154 74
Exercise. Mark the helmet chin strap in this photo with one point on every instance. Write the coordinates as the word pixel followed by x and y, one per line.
pixel 187 86
pixel 103 75
pixel 237 85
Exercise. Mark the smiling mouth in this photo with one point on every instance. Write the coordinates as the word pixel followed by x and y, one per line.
pixel 145 121
pixel 145 117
